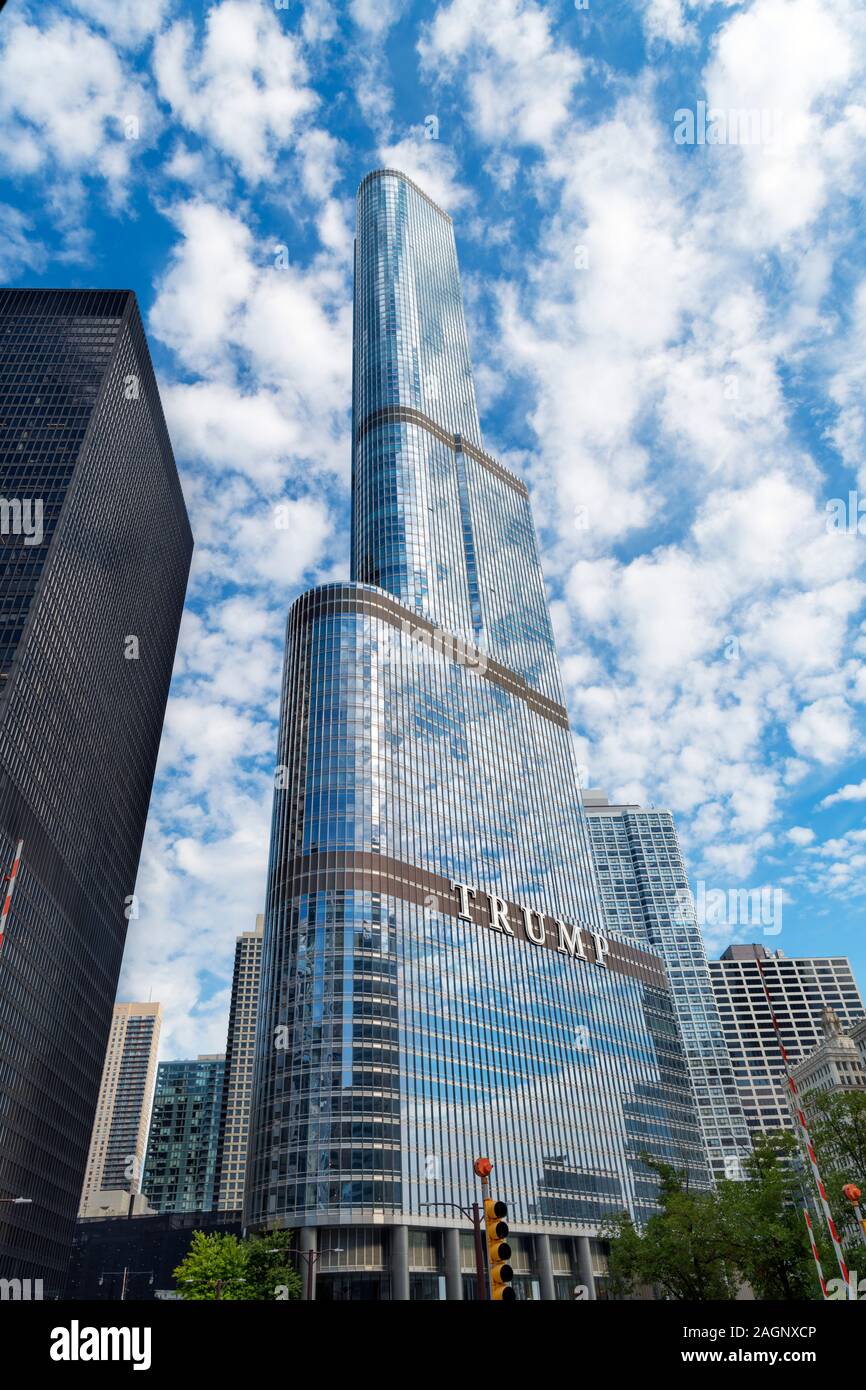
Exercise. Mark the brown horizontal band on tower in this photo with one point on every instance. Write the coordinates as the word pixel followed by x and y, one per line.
pixel 404 414
pixel 364 871
pixel 354 599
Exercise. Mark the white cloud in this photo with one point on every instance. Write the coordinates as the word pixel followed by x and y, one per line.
pixel 74 123
pixel 823 730
pixel 129 23
pixel 519 79
pixel 847 389
pixel 205 286
pixel 376 16
pixel 665 20
pixel 802 59
pixel 852 791
pixel 243 89
pixel 19 250
pixel 230 309
pixel 800 835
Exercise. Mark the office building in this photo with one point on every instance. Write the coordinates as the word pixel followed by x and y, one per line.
pixel 184 1133
pixel 645 896
pixel 117 1145
pixel 240 1054
pixel 436 982
pixel 800 989
pixel 95 549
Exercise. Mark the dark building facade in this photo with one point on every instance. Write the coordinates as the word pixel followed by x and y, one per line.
pixel 436 983
pixel 136 1257
pixel 180 1166
pixel 94 556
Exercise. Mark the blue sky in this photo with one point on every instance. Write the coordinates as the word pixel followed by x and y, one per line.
pixel 668 343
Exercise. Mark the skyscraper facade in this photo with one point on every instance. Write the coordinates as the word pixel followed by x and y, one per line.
pixel 94 557
pixel 181 1157
pixel 240 1056
pixel 801 990
pixel 436 983
pixel 645 896
pixel 119 1139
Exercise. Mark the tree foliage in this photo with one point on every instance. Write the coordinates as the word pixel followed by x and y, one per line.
pixel 706 1245
pixel 837 1122
pixel 763 1225
pixel 681 1250
pixel 219 1266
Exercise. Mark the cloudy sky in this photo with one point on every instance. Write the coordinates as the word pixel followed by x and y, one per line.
pixel 667 316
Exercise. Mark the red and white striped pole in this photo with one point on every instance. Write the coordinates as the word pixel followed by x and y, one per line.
pixel 10 889
pixel 807 1143
pixel 817 1257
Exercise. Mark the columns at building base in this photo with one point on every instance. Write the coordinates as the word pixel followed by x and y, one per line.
pixel 400 1264
pixel 544 1268
pixel 584 1264
pixel 307 1247
pixel 453 1266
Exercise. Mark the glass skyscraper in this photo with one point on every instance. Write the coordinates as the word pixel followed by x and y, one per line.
pixel 95 548
pixel 436 984
pixel 645 896
pixel 182 1146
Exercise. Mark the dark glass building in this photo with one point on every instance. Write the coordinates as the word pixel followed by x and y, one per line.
pixel 95 548
pixel 182 1146
pixel 135 1258
pixel 436 984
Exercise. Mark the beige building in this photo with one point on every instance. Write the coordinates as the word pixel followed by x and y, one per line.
pixel 119 1138
pixel 240 1055
pixel 836 1065
pixel 858 1033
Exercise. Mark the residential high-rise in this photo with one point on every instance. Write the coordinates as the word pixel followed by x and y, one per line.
pixel 117 1145
pixel 240 1055
pixel 645 895
pixel 184 1132
pixel 436 984
pixel 95 548
pixel 801 989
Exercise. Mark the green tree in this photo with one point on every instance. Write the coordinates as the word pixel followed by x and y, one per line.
pixel 224 1267
pixel 270 1271
pixel 762 1223
pixel 837 1123
pixel 214 1267
pixel 682 1250
pixel 838 1126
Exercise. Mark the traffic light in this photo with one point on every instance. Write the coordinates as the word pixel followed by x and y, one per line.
pixel 498 1251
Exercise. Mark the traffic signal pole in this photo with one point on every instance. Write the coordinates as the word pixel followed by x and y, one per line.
pixel 806 1141
pixel 499 1270
pixel 480 1277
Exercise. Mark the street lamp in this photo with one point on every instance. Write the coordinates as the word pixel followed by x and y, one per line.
pixel 472 1214
pixel 311 1256
pixel 124 1275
